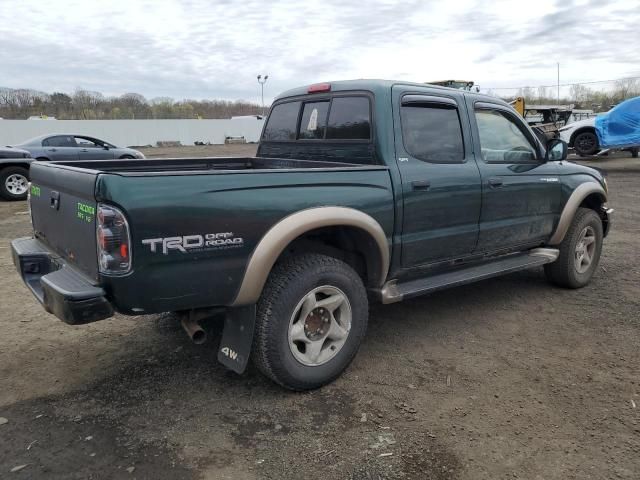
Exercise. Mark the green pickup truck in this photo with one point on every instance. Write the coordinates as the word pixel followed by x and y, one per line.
pixel 360 191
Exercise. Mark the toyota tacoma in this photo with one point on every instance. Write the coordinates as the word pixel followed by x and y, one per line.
pixel 361 191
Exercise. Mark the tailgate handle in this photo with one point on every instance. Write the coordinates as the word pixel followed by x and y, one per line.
pixel 55 200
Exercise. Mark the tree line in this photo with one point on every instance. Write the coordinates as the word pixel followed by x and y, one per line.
pixel 581 96
pixel 88 105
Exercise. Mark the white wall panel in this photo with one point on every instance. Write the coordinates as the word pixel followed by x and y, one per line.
pixel 124 133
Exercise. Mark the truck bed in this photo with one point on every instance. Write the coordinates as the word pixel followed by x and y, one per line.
pixel 175 166
pixel 177 198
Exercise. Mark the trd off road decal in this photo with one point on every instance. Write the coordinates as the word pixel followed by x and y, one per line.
pixel 194 243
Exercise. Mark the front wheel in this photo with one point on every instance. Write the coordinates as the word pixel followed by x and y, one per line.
pixel 586 143
pixel 310 321
pixel 14 183
pixel 579 251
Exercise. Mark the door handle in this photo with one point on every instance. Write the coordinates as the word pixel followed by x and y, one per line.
pixel 52 150
pixel 495 182
pixel 84 150
pixel 421 185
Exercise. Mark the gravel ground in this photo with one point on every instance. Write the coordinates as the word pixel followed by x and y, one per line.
pixel 509 378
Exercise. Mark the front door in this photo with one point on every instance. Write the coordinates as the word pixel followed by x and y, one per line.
pixel 88 149
pixel 440 179
pixel 520 191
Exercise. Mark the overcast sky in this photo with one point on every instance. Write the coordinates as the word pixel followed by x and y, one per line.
pixel 215 48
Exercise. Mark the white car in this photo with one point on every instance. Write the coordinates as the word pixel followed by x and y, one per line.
pixel 581 136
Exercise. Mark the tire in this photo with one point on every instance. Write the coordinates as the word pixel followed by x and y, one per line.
pixel 567 271
pixel 14 183
pixel 292 283
pixel 586 143
pixel 126 157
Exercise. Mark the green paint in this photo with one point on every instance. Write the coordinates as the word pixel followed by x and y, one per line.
pixel 85 212
pixel 35 191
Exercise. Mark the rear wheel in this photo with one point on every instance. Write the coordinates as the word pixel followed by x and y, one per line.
pixel 14 183
pixel 586 143
pixel 311 318
pixel 579 251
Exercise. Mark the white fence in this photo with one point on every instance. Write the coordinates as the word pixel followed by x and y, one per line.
pixel 135 132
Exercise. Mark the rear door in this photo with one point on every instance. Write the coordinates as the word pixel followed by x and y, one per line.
pixel 440 179
pixel 61 147
pixel 520 191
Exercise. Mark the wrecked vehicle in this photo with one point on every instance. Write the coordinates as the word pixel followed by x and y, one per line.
pixel 618 129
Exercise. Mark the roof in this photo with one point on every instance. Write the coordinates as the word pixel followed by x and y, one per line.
pixel 380 86
pixel 39 138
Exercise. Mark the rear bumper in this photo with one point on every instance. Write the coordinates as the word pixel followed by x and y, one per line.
pixel 61 289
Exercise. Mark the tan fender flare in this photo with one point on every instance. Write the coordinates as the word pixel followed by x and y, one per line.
pixel 293 226
pixel 571 207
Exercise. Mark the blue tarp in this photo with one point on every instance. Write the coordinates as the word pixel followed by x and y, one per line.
pixel 620 126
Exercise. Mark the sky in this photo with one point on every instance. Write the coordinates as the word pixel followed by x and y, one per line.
pixel 216 48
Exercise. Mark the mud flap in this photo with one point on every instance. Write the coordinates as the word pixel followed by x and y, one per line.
pixel 235 345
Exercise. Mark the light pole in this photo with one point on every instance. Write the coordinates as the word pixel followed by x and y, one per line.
pixel 262 81
pixel 558 83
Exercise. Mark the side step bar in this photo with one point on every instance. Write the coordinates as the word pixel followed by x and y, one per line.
pixel 392 291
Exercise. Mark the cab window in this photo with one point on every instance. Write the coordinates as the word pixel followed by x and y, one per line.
pixel 282 122
pixel 314 120
pixel 342 117
pixel 431 132
pixel 349 119
pixel 501 139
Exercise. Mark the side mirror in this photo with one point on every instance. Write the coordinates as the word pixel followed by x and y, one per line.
pixel 556 150
pixel 105 146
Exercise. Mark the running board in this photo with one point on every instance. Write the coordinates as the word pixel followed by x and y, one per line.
pixel 392 291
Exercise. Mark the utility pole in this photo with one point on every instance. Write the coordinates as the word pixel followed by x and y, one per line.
pixel 262 81
pixel 558 83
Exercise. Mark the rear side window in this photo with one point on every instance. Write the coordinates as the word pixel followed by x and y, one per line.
pixel 432 132
pixel 349 119
pixel 314 120
pixel 282 122
pixel 60 141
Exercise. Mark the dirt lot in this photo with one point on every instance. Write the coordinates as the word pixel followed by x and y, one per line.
pixel 510 378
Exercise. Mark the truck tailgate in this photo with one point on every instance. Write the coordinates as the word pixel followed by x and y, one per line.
pixel 63 211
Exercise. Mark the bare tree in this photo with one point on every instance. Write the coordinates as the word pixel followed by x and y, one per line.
pixel 84 104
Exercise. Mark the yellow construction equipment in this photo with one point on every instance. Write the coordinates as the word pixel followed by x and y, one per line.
pixel 459 84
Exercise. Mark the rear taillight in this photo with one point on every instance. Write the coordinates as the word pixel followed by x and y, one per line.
pixel 112 234
pixel 29 202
